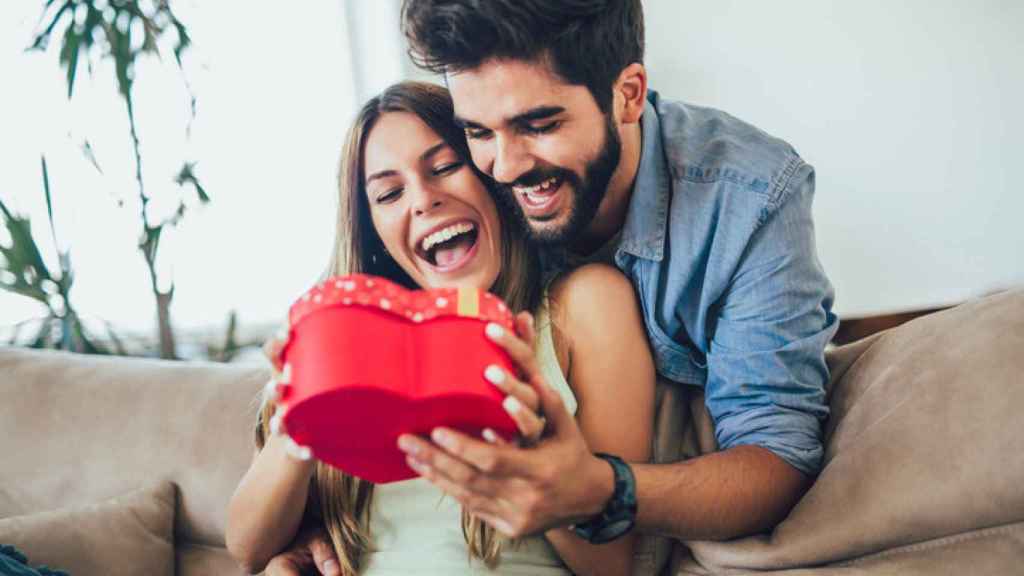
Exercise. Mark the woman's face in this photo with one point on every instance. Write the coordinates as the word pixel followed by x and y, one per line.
pixel 435 216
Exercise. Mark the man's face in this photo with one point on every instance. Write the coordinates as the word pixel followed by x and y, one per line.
pixel 544 141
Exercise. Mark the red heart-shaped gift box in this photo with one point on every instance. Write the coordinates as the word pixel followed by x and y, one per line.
pixel 367 360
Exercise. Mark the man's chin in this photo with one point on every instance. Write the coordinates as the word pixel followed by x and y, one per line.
pixel 550 232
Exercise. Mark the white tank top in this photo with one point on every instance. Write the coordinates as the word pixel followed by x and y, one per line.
pixel 416 529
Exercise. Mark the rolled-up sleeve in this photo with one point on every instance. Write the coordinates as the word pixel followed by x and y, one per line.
pixel 766 370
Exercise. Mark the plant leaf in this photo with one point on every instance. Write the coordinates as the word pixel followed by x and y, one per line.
pixel 69 56
pixel 184 41
pixel 187 176
pixel 23 258
pixel 49 200
pixel 90 155
pixel 42 39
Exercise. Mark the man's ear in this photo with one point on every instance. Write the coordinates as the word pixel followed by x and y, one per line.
pixel 630 93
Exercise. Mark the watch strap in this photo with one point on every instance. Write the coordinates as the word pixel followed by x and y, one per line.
pixel 619 514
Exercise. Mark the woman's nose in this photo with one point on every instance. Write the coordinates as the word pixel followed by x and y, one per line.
pixel 426 202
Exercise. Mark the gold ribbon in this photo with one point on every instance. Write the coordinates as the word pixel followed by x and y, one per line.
pixel 469 301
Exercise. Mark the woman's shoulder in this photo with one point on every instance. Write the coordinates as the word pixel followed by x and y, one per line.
pixel 591 307
pixel 589 293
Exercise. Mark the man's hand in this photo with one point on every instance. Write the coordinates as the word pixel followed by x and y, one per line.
pixel 310 553
pixel 520 491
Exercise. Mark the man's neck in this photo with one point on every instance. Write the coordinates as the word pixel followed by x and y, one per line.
pixel 611 214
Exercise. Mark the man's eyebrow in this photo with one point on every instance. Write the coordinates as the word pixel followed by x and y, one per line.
pixel 463 123
pixel 531 115
pixel 538 113
pixel 427 154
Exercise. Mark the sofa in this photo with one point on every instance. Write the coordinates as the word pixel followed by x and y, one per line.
pixel 125 466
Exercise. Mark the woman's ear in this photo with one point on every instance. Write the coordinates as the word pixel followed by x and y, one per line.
pixel 630 93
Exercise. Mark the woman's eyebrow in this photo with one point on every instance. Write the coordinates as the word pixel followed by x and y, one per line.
pixel 379 175
pixel 433 150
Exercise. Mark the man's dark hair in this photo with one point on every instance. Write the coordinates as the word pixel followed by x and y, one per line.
pixel 586 42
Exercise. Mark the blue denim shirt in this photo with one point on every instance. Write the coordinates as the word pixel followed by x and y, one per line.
pixel 719 243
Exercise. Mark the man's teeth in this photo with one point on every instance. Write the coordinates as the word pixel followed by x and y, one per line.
pixel 543 186
pixel 443 234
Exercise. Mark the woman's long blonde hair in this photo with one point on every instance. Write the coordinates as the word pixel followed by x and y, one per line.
pixel 344 501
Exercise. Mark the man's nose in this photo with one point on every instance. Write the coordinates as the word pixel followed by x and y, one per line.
pixel 511 160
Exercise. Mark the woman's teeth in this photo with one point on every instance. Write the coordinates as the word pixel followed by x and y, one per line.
pixel 444 234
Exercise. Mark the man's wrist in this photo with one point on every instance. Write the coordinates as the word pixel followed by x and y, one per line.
pixel 602 487
pixel 618 514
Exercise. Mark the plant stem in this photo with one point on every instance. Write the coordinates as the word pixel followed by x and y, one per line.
pixel 149 247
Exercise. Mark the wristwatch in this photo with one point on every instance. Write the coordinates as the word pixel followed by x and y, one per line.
pixel 619 515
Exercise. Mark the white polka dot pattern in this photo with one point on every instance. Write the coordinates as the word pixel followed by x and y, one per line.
pixel 416 305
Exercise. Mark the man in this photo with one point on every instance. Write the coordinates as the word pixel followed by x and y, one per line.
pixel 708 216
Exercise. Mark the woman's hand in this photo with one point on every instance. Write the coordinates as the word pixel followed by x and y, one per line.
pixel 522 402
pixel 310 552
pixel 273 349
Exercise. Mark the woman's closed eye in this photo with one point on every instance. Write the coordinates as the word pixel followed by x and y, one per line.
pixel 389 196
pixel 447 168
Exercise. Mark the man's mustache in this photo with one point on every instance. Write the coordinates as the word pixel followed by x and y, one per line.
pixel 535 177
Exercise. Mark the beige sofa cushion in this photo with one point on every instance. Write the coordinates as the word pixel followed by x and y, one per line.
pixel 924 443
pixel 128 535
pixel 78 429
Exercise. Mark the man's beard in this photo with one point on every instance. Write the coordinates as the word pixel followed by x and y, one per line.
pixel 587 194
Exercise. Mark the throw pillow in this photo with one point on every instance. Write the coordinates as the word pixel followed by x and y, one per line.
pixel 923 445
pixel 14 563
pixel 127 535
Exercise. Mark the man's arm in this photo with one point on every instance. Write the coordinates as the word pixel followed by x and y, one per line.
pixel 765 388
pixel 765 391
pixel 522 491
pixel 743 490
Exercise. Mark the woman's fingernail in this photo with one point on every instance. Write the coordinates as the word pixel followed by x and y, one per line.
pixel 512 405
pixel 301 453
pixel 494 374
pixel 490 435
pixel 442 438
pixel 494 331
pixel 277 421
pixel 408 446
pixel 415 464
pixel 503 527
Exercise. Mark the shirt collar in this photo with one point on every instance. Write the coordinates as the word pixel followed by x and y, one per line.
pixel 643 234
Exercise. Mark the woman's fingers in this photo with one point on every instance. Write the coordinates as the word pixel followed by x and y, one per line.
pixel 514 387
pixel 273 348
pixel 521 403
pixel 489 435
pixel 519 350
pixel 525 327
pixel 531 426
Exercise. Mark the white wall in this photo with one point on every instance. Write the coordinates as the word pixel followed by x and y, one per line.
pixel 911 112
pixel 275 96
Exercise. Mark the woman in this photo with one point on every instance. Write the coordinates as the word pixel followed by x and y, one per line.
pixel 414 209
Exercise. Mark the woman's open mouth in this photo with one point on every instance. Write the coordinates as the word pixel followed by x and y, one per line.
pixel 449 248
